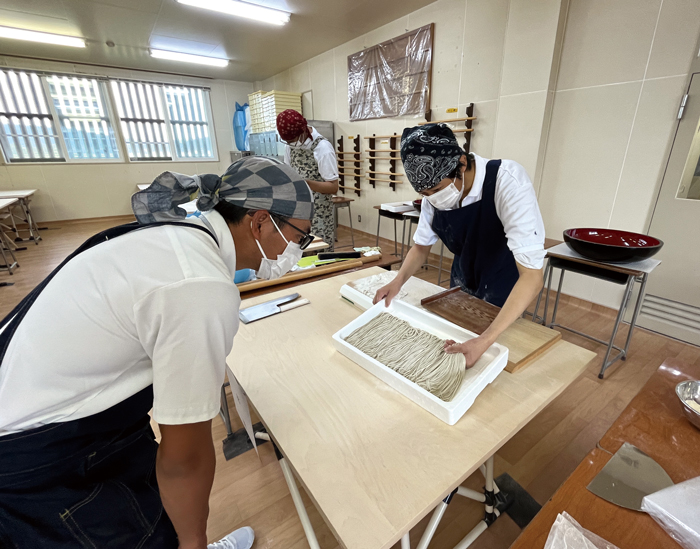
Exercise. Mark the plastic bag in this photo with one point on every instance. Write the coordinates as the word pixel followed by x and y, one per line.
pixel 677 510
pixel 239 127
pixel 566 533
pixel 391 78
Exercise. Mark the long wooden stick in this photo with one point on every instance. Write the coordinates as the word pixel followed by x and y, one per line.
pixel 300 275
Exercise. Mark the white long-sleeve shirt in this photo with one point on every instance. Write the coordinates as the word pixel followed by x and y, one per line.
pixel 516 207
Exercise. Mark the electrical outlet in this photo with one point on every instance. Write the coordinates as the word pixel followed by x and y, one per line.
pixel 359 218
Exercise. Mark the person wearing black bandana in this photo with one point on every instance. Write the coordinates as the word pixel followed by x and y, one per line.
pixel 486 214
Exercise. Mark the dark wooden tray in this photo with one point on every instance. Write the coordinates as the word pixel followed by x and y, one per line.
pixel 524 339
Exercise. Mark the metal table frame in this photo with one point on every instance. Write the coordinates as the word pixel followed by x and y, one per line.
pixel 26 217
pixel 601 273
pixel 396 216
pixel 345 203
pixel 492 498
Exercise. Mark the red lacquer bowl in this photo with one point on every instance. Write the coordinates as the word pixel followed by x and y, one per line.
pixel 611 244
pixel 417 203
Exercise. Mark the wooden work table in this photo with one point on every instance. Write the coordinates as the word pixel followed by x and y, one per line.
pixel 654 423
pixel 374 462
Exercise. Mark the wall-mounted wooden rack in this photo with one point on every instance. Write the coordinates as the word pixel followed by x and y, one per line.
pixel 378 155
pixel 351 167
pixel 467 130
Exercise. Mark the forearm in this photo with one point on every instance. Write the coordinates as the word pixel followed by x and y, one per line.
pixel 323 187
pixel 184 487
pixel 415 259
pixel 525 290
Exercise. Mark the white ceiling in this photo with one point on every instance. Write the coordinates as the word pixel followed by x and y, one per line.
pixel 256 50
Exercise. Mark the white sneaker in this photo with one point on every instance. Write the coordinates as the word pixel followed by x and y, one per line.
pixel 242 538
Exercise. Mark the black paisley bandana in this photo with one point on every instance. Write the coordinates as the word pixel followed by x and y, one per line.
pixel 429 154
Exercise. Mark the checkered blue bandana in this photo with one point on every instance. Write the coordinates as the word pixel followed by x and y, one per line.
pixel 254 183
pixel 429 154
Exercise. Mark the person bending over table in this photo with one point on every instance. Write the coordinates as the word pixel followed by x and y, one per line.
pixel 137 319
pixel 313 156
pixel 486 213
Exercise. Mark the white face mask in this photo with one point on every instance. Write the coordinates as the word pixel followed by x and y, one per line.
pixel 447 198
pixel 274 268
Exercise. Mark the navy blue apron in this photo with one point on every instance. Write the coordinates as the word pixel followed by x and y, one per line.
pixel 89 482
pixel 483 265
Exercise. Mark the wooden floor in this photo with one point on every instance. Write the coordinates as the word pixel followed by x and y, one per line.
pixel 251 491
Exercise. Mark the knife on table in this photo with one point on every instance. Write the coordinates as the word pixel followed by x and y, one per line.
pixel 269 308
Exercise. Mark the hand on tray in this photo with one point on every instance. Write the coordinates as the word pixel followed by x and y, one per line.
pixel 472 349
pixel 388 292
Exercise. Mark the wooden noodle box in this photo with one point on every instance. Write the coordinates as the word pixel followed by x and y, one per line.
pixel 525 340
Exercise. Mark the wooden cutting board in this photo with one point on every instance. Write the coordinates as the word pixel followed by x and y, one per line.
pixel 524 339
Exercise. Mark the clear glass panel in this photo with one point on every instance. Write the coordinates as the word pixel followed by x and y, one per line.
pixel 143 125
pixel 27 129
pixel 82 114
pixel 690 181
pixel 187 108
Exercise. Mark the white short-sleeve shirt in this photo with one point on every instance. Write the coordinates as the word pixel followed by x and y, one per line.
pixel 516 207
pixel 154 306
pixel 324 155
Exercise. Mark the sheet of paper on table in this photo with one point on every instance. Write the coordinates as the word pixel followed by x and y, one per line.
pixel 645 265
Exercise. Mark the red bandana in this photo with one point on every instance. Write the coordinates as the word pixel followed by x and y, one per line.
pixel 290 124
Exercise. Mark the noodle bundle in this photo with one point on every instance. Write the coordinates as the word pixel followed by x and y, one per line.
pixel 413 353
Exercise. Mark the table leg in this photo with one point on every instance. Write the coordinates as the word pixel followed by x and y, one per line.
pixel 556 301
pixel 539 296
pixel 620 312
pixel 403 237
pixel 352 233
pixel 224 412
pixel 442 254
pixel 406 541
pixel 34 229
pixel 396 240
pixel 637 308
pixel 546 296
pixel 379 220
pixel 294 491
pixel 438 513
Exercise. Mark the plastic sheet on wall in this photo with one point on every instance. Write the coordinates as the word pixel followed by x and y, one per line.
pixel 392 78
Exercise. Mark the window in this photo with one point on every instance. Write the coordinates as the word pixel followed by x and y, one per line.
pixel 188 119
pixel 83 118
pixel 67 118
pixel 180 130
pixel 27 129
pixel 142 118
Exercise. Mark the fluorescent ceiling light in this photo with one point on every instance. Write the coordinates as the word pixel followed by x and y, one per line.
pixel 45 37
pixel 242 9
pixel 189 58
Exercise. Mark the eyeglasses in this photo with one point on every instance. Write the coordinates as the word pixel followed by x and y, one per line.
pixel 306 240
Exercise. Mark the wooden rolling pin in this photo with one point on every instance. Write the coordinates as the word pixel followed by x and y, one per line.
pixel 300 275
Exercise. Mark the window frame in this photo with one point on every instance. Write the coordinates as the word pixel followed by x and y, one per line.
pixel 111 115
pixel 51 116
pixel 104 83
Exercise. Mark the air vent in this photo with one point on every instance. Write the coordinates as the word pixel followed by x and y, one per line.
pixel 677 314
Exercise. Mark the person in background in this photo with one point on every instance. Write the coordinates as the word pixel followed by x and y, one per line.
pixel 313 156
pixel 486 213
pixel 141 317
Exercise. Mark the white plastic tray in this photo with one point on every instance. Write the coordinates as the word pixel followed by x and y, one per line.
pixel 477 378
pixel 397 207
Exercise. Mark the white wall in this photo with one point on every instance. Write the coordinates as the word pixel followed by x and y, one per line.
pixel 74 191
pixel 583 93
pixel 494 53
pixel 624 67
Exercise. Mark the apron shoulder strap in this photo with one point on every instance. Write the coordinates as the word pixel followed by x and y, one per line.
pixel 492 167
pixel 12 321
